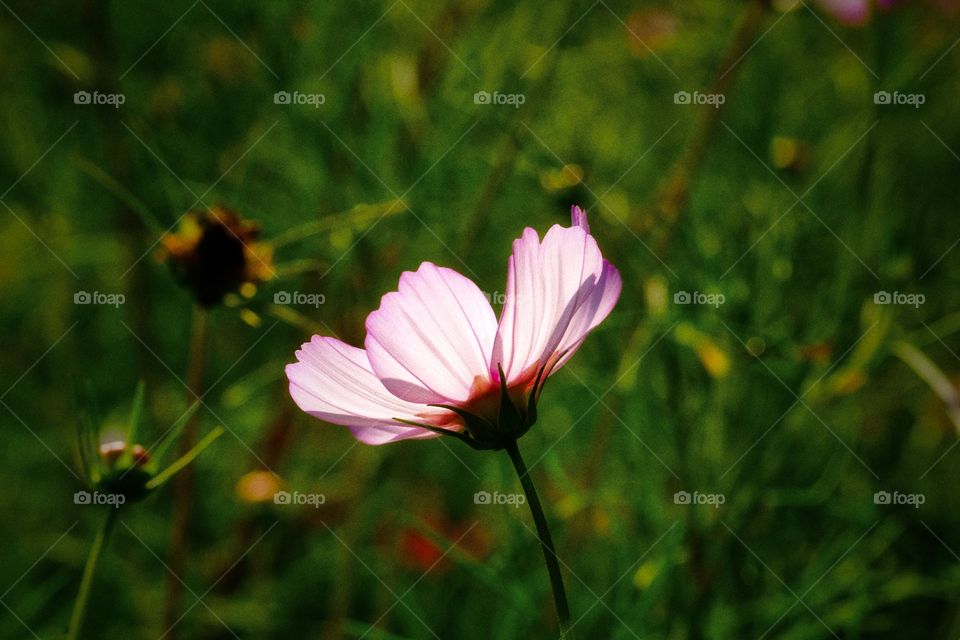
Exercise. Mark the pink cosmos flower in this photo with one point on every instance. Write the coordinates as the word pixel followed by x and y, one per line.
pixel 849 12
pixel 436 361
pixel 854 13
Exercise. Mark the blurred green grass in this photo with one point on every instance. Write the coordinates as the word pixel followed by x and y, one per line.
pixel 662 398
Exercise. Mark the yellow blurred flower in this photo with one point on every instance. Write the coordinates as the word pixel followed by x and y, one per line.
pixel 257 486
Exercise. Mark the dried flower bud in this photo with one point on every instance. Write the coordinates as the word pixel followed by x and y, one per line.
pixel 216 252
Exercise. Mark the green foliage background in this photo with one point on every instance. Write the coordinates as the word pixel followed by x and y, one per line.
pixel 788 399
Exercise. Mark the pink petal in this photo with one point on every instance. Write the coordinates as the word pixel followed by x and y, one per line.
pixel 430 341
pixel 578 218
pixel 852 13
pixel 557 291
pixel 592 312
pixel 333 381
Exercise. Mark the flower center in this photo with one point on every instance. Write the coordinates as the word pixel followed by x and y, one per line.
pixel 496 415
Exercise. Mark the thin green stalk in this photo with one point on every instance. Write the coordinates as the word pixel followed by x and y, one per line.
pixel 161 478
pixel 546 541
pixel 353 217
pixel 147 217
pixel 183 482
pixel 83 596
pixel 674 193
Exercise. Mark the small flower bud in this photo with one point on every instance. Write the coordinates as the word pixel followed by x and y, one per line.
pixel 111 451
pixel 140 455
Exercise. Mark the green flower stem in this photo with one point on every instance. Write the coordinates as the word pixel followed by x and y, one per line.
pixel 161 478
pixel 83 596
pixel 359 215
pixel 546 541
pixel 183 483
pixel 674 194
